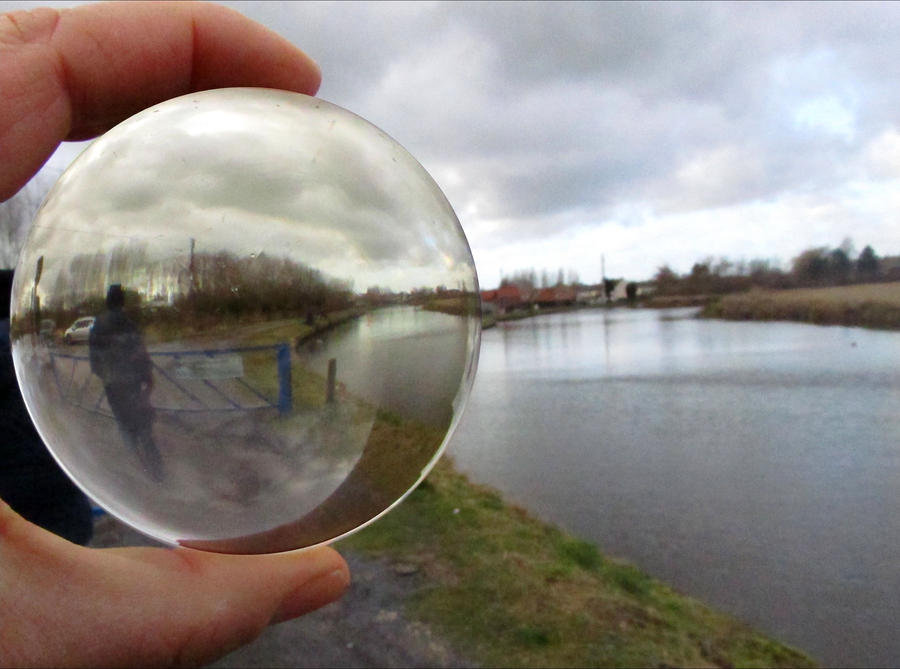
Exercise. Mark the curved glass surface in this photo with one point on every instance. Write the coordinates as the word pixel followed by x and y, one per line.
pixel 246 320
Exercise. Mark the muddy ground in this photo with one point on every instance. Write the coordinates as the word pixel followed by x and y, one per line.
pixel 366 628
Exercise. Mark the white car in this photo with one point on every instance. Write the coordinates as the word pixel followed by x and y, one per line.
pixel 79 331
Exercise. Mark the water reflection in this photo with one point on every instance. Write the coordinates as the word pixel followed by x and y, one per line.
pixel 294 334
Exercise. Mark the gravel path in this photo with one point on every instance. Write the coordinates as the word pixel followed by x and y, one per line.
pixel 366 628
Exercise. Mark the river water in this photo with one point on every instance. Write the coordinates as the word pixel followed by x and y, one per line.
pixel 755 466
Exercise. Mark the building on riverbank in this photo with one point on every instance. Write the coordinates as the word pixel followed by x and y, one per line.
pixel 557 296
pixel 507 297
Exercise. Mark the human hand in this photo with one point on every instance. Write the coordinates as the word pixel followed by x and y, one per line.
pixel 72 74
pixel 66 605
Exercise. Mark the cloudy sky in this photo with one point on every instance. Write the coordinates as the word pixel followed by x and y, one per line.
pixel 642 133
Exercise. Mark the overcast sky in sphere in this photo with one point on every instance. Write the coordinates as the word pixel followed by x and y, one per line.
pixel 643 134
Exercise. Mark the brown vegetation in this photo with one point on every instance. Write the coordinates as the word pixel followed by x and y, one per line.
pixel 874 305
pixel 813 268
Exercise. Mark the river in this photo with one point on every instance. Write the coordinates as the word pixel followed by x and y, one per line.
pixel 755 466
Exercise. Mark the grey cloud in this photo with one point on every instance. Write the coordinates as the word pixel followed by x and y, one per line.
pixel 571 113
pixel 580 111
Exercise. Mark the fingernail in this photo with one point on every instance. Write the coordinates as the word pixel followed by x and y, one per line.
pixel 312 595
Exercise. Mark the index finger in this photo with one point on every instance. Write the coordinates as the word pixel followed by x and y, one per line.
pixel 72 74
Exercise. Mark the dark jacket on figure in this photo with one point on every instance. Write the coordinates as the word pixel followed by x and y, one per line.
pixel 117 351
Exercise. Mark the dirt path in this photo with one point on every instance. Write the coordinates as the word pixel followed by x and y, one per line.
pixel 366 628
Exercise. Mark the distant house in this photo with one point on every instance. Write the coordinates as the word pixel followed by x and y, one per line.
pixel 557 296
pixel 505 298
pixel 890 267
pixel 619 292
pixel 589 295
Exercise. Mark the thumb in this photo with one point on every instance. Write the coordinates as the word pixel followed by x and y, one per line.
pixel 68 605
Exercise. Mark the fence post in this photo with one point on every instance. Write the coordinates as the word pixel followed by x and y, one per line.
pixel 285 398
pixel 332 374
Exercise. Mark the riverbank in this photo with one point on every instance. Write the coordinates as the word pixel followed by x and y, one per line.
pixel 325 322
pixel 744 463
pixel 504 589
pixel 489 320
pixel 259 331
pixel 875 305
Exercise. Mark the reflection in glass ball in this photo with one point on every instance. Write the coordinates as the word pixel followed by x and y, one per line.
pixel 246 320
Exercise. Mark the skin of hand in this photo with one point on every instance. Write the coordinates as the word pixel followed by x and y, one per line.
pixel 71 74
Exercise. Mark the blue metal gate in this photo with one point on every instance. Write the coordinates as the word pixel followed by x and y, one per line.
pixel 186 381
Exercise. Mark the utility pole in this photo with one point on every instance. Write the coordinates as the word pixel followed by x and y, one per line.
pixel 192 275
pixel 603 279
pixel 35 298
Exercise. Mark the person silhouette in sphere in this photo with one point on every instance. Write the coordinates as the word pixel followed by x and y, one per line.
pixel 119 358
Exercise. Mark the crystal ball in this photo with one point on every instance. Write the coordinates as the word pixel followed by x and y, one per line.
pixel 245 321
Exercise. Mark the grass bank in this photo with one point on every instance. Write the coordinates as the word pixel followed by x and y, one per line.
pixel 508 590
pixel 875 305
pixel 460 305
pixel 251 331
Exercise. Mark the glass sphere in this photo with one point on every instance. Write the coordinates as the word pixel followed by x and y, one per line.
pixel 245 321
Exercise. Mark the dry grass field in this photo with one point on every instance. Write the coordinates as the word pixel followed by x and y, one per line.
pixel 874 305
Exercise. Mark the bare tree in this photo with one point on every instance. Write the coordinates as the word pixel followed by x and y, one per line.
pixel 17 213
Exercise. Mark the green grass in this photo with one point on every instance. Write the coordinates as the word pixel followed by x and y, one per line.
pixel 508 590
pixel 465 305
pixel 254 329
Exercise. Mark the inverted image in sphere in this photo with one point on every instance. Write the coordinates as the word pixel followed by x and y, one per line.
pixel 245 320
